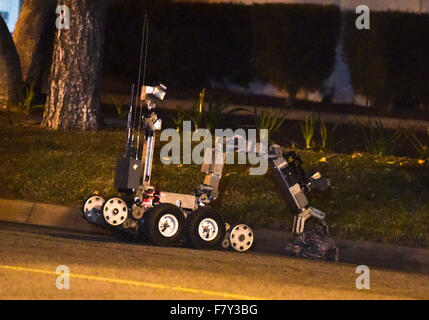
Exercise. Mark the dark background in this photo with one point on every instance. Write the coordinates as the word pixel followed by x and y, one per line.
pixel 288 45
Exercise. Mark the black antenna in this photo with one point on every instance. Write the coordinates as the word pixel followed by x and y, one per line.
pixel 130 133
pixel 144 47
pixel 147 46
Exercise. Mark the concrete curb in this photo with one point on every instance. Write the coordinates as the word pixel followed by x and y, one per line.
pixel 269 241
pixel 356 252
pixel 48 215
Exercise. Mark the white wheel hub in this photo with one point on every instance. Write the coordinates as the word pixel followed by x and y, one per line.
pixel 115 211
pixel 94 202
pixel 241 237
pixel 168 225
pixel 208 229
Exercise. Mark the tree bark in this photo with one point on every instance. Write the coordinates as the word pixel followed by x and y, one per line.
pixel 74 94
pixel 11 86
pixel 33 36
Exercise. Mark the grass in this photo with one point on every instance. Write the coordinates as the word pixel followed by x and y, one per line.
pixel 119 103
pixel 327 137
pixel 308 127
pixel 210 117
pixel 421 146
pixel 378 140
pixel 373 198
pixel 271 119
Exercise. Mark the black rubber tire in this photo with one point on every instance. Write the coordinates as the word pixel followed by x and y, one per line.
pixel 151 220
pixel 193 221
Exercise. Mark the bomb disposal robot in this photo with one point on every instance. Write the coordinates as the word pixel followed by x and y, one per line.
pixel 170 219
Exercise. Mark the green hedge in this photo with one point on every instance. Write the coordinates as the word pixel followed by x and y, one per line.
pixel 189 43
pixel 289 45
pixel 292 46
pixel 390 62
pixel 295 44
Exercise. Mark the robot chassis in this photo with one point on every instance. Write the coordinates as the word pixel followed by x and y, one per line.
pixel 172 219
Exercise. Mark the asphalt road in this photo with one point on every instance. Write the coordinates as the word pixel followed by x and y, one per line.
pixel 102 267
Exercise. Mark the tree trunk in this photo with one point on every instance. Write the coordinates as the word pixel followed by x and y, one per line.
pixel 11 86
pixel 74 95
pixel 33 36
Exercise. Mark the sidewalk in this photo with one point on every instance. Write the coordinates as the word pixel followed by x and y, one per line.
pixel 354 252
pixel 296 114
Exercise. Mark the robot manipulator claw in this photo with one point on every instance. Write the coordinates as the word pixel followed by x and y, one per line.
pixel 301 218
pixel 317 182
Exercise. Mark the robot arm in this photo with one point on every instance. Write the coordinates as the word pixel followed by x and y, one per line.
pixel 288 173
pixel 135 166
pixel 291 178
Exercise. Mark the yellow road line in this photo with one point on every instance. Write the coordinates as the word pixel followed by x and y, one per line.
pixel 225 295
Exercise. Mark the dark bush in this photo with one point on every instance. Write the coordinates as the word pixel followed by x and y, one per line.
pixel 294 45
pixel 407 58
pixel 389 63
pixel 190 44
pixel 364 54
